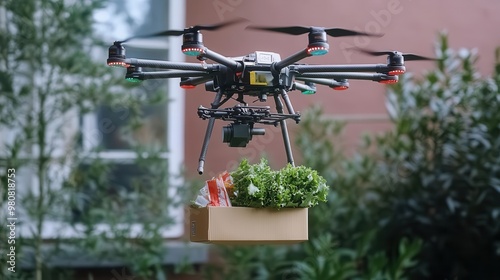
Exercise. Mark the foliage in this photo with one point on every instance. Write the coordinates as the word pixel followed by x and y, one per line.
pixel 432 178
pixel 256 185
pixel 324 259
pixel 248 263
pixel 445 148
pixel 139 202
pixel 44 80
pixel 52 74
pixel 300 186
pixel 251 182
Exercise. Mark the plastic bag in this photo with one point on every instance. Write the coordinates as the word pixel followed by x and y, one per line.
pixel 215 191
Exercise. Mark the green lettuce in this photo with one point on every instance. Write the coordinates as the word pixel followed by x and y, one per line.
pixel 257 185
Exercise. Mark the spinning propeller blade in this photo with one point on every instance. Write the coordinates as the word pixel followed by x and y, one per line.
pixel 218 26
pixel 298 30
pixel 292 30
pixel 339 32
pixel 407 56
pixel 189 29
pixel 410 57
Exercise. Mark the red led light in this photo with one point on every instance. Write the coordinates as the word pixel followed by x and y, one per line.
pixel 396 72
pixel 118 64
pixel 340 88
pixel 192 51
pixel 188 86
pixel 388 81
pixel 317 50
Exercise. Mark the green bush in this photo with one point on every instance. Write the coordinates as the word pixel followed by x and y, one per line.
pixel 445 151
pixel 434 177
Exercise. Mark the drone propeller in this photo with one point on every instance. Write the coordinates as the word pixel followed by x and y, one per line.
pixel 407 56
pixel 191 29
pixel 298 30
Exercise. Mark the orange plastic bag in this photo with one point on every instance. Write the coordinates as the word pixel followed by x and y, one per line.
pixel 215 191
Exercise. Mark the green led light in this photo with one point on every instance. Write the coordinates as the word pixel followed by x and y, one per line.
pixel 319 52
pixel 192 53
pixel 133 80
pixel 309 92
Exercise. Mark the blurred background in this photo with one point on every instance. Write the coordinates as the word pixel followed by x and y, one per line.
pixel 105 169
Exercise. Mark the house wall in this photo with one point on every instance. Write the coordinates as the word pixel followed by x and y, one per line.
pixel 409 26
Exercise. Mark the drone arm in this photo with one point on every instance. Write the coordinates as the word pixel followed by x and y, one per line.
pixel 168 65
pixel 305 87
pixel 290 60
pixel 326 82
pixel 354 76
pixel 171 74
pixel 230 63
pixel 194 81
pixel 377 68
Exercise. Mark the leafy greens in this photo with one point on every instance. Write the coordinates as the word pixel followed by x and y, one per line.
pixel 257 185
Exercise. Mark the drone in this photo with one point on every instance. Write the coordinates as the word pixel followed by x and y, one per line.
pixel 260 75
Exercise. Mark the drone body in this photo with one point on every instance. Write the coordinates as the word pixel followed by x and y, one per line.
pixel 257 76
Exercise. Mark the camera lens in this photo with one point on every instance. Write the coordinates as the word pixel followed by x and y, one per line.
pixel 227 134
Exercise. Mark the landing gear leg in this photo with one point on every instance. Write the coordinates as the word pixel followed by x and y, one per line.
pixel 208 133
pixel 284 129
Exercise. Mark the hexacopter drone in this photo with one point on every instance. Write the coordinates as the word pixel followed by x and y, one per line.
pixel 259 75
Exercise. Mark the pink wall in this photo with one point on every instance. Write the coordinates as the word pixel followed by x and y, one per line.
pixel 409 26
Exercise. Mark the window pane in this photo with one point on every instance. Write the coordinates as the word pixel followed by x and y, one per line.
pixel 122 193
pixel 119 134
pixel 115 123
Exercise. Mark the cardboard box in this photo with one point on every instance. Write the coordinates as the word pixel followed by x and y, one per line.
pixel 244 225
